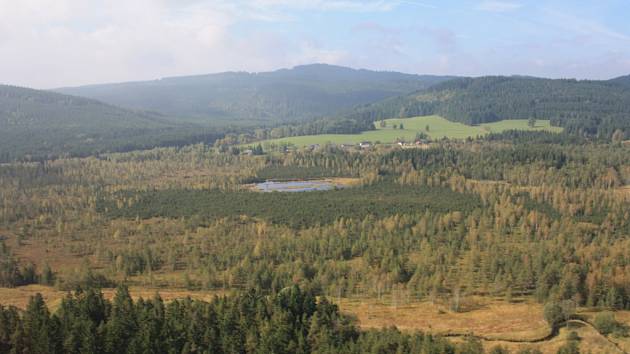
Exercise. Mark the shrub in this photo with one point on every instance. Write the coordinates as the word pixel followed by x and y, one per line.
pixel 529 351
pixel 499 350
pixel 571 347
pixel 553 314
pixel 573 336
pixel 606 324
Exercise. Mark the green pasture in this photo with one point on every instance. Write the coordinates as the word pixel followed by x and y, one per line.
pixel 438 128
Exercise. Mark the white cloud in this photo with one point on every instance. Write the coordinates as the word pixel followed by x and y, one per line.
pixel 52 43
pixel 499 6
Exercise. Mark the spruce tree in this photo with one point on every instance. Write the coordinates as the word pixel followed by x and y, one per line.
pixel 122 325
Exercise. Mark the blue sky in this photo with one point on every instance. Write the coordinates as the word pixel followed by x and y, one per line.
pixel 71 42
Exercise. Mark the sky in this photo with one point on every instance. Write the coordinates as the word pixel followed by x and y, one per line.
pixel 57 43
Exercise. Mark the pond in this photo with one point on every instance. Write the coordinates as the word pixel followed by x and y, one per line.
pixel 297 186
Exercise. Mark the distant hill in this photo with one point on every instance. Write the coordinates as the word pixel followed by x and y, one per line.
pixel 622 80
pixel 310 99
pixel 584 107
pixel 282 96
pixel 44 124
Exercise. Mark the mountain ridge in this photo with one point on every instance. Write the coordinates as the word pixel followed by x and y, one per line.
pixel 621 80
pixel 298 94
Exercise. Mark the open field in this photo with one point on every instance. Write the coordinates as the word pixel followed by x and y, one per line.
pixel 438 128
pixel 515 326
pixel 590 341
pixel 488 318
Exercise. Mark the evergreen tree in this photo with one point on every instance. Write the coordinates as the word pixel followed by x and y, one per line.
pixel 47 276
pixel 531 122
pixel 122 325
pixel 37 327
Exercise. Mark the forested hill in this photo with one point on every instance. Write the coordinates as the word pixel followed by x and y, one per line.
pixel 287 95
pixel 622 80
pixel 585 107
pixel 46 124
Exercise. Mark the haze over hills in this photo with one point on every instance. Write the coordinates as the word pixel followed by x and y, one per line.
pixel 286 95
pixel 47 124
pixel 585 107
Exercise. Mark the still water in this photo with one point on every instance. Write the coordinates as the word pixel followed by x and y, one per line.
pixel 296 186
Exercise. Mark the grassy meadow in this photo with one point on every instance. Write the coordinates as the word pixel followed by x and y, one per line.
pixel 438 128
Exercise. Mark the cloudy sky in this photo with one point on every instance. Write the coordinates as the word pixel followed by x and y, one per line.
pixel 53 43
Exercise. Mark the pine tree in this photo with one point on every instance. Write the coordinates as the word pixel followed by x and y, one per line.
pixel 531 122
pixel 18 342
pixel 47 276
pixel 122 325
pixel 37 327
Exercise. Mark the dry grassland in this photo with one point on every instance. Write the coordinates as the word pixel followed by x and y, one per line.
pixel 490 318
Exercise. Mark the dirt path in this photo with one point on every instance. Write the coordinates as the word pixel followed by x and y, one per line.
pixel 588 324
pixel 546 338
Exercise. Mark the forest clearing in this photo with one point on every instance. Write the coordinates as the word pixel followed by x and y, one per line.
pixel 407 129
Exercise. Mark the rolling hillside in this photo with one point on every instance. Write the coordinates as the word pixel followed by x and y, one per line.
pixel 287 95
pixel 44 124
pixel 594 108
